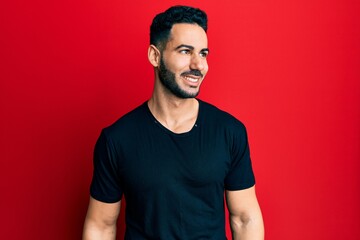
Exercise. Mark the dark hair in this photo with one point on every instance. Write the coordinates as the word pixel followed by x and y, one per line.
pixel 163 22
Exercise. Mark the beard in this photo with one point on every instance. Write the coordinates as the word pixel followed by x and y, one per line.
pixel 168 80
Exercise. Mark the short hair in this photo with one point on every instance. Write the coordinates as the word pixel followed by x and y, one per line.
pixel 163 22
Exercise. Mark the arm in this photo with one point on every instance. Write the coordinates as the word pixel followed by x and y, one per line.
pixel 100 221
pixel 245 215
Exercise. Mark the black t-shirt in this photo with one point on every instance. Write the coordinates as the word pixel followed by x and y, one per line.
pixel 173 183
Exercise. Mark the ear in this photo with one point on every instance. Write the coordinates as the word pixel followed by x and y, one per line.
pixel 154 55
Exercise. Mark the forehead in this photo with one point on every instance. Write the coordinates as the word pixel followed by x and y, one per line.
pixel 188 34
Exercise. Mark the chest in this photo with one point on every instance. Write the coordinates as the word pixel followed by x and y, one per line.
pixel 164 162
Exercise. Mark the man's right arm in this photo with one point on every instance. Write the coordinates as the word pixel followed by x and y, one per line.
pixel 100 221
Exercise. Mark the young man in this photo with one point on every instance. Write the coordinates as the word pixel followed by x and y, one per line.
pixel 174 156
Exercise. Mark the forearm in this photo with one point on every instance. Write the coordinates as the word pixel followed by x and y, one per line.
pixel 247 229
pixel 96 231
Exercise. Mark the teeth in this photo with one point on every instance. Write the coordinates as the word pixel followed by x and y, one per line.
pixel 191 79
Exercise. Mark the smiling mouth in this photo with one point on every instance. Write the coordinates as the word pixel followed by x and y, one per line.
pixel 192 79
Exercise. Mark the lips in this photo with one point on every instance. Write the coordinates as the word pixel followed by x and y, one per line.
pixel 192 79
pixel 192 73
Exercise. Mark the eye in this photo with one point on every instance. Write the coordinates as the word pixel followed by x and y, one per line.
pixel 204 54
pixel 184 51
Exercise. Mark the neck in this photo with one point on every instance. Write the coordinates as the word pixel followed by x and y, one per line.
pixel 178 115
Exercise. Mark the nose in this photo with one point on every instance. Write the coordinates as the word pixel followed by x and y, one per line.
pixel 198 62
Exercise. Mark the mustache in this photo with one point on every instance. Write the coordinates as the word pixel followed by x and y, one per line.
pixel 192 72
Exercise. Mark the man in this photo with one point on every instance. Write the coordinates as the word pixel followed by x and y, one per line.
pixel 174 156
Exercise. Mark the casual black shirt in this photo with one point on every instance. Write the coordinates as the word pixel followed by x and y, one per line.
pixel 173 183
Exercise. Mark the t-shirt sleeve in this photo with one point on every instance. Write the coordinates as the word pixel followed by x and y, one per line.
pixel 241 174
pixel 105 185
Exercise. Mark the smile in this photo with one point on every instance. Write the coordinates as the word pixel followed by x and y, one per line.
pixel 191 79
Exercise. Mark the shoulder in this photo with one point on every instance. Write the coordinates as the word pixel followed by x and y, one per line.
pixel 128 123
pixel 215 115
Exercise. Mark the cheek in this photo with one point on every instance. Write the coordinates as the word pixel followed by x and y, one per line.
pixel 206 68
pixel 179 66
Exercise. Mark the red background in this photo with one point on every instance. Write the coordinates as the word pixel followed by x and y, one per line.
pixel 290 70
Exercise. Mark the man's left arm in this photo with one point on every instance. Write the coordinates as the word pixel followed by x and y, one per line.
pixel 245 215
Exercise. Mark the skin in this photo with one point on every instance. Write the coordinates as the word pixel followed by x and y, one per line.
pixel 100 221
pixel 245 215
pixel 180 69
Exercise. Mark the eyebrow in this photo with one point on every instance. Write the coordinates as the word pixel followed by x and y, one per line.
pixel 190 47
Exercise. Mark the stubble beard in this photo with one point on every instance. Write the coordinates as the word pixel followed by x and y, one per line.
pixel 168 80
